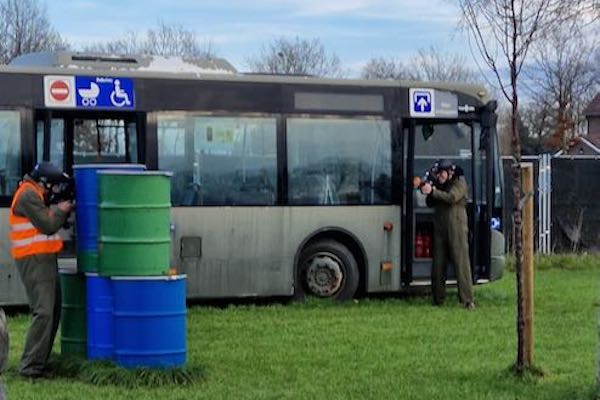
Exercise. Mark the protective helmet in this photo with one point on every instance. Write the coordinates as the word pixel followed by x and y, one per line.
pixel 445 165
pixel 46 172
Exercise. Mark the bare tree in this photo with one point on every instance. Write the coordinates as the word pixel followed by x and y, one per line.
pixel 429 64
pixel 297 57
pixel 165 40
pixel 503 130
pixel 503 32
pixel 129 43
pixel 24 28
pixel 562 81
pixel 385 68
pixel 433 64
pixel 537 118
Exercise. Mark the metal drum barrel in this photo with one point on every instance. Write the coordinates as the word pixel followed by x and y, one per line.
pixel 134 223
pixel 86 195
pixel 99 317
pixel 149 321
pixel 73 319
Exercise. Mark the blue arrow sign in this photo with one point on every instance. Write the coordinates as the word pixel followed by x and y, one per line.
pixel 422 103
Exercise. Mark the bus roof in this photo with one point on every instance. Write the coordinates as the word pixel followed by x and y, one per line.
pixel 209 69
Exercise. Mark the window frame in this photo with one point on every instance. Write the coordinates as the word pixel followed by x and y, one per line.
pixel 27 145
pixel 344 117
pixel 155 117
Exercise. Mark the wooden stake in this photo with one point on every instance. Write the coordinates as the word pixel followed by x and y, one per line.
pixel 527 276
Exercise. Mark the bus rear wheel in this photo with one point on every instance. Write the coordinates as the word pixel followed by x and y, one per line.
pixel 326 269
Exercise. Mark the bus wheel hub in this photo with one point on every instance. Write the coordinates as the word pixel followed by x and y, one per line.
pixel 324 274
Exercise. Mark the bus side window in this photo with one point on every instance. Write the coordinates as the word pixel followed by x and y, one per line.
pixel 339 161
pixel 219 160
pixel 57 145
pixel 10 152
pixel 171 155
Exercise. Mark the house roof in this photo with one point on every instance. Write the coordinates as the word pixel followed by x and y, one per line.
pixel 593 109
pixel 594 139
pixel 592 142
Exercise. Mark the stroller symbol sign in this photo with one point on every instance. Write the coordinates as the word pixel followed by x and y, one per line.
pixel 104 92
pixel 89 95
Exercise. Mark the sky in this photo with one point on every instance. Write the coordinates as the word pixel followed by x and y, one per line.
pixel 355 30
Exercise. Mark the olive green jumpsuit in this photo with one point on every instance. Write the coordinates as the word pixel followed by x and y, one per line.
pixel 450 239
pixel 39 274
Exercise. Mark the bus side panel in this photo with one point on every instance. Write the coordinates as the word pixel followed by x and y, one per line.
pixel 365 224
pixel 232 251
pixel 250 251
pixel 12 291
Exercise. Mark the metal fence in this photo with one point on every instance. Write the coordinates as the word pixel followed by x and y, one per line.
pixel 567 203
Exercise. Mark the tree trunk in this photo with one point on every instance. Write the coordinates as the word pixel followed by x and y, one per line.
pixel 518 218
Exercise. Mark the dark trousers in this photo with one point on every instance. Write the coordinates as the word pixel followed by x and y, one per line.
pixel 39 275
pixel 451 245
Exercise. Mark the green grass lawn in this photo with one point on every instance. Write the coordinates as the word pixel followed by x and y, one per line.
pixel 393 348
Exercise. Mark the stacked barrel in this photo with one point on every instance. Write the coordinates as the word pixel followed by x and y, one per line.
pixel 74 322
pixel 135 309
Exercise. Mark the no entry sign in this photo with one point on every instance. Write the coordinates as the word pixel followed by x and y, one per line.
pixel 59 91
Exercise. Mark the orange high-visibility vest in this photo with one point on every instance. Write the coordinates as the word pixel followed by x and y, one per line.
pixel 25 238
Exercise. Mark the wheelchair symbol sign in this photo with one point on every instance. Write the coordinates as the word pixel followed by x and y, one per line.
pixel 104 92
pixel 119 97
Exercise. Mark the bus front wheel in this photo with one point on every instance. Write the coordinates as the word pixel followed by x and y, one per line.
pixel 327 269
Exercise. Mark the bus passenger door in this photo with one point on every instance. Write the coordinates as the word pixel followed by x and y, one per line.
pixel 68 138
pixel 426 142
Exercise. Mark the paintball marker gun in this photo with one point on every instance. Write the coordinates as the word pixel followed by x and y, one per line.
pixel 428 177
pixel 439 165
pixel 62 189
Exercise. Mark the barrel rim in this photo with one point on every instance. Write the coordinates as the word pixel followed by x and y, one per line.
pixel 108 166
pixel 149 278
pixel 142 173
pixel 68 271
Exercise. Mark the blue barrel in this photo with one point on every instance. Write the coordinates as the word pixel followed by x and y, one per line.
pixel 149 321
pixel 99 304
pixel 86 194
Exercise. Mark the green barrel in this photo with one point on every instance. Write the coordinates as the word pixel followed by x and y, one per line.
pixel 87 260
pixel 134 210
pixel 73 332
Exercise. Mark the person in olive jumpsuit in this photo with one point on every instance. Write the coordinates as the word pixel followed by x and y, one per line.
pixel 448 197
pixel 35 254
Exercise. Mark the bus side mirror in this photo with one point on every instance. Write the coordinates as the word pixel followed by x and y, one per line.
pixel 428 131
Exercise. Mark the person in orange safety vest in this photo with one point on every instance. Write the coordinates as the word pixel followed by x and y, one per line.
pixel 35 245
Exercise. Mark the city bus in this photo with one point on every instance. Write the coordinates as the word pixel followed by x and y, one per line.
pixel 281 185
